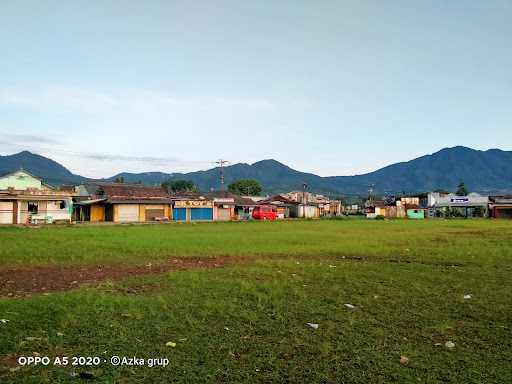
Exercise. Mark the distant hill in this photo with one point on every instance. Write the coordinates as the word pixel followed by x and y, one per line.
pixel 43 167
pixel 149 178
pixel 273 175
pixel 482 171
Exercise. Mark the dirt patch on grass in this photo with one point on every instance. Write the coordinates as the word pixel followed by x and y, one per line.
pixel 17 282
pixel 468 232
pixel 7 362
pixel 20 281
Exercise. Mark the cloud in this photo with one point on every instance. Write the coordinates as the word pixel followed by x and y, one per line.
pixel 148 159
pixel 50 147
pixel 139 159
pixel 15 139
pixel 90 101
pixel 57 97
pixel 96 130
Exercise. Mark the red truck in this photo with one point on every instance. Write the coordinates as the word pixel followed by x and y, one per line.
pixel 264 212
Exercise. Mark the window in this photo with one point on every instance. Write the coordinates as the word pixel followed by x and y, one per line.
pixel 32 207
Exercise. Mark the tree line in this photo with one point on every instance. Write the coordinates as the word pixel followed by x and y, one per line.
pixel 245 187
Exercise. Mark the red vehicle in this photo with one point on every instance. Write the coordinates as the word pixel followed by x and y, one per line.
pixel 264 212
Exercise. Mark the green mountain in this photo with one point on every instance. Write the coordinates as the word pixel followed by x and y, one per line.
pixel 272 175
pixel 482 171
pixel 47 169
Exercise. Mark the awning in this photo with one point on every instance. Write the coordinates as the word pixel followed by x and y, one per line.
pixel 90 202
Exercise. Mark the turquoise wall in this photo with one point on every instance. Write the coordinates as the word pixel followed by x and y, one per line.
pixel 415 213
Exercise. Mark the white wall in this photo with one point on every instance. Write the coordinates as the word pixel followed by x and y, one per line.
pixel 127 213
pixel 6 212
pixel 53 209
pixel 310 211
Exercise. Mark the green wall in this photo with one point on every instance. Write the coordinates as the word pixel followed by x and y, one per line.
pixel 19 180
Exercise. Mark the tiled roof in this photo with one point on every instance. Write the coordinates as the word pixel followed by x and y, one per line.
pixel 132 192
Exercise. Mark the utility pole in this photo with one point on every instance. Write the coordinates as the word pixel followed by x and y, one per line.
pixel 304 186
pixel 370 194
pixel 221 163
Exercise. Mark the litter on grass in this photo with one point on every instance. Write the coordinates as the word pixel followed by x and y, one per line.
pixel 404 360
pixel 313 325
pixel 349 306
pixel 467 296
pixel 449 344
pixel 4 321
pixel 170 344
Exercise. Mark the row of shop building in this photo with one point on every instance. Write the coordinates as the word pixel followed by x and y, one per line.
pixel 119 202
pixel 440 205
pixel 25 198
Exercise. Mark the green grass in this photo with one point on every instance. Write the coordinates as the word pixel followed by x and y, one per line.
pixel 408 291
pixel 136 244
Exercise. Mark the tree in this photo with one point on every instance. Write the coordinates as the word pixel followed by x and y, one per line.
pixel 119 179
pixel 246 187
pixel 461 190
pixel 173 186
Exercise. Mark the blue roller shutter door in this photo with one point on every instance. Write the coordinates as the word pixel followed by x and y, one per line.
pixel 179 214
pixel 201 214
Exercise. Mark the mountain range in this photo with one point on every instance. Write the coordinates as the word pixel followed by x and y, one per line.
pixel 482 171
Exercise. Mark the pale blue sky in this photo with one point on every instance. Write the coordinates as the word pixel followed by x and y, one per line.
pixel 334 88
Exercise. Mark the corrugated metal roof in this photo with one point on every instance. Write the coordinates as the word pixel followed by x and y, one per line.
pixel 236 199
pixel 139 201
pixel 280 199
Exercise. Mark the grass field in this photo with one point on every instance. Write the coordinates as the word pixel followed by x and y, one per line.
pixel 246 321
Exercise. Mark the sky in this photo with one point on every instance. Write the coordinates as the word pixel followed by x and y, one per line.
pixel 329 87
